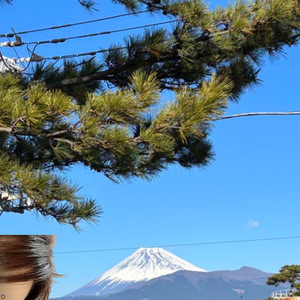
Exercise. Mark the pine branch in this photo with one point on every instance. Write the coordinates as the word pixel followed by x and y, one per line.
pixel 62 132
pixel 164 57
pixel 209 58
pixel 108 74
pixel 88 4
pixel 103 125
pixel 108 133
pixel 27 189
pixel 206 41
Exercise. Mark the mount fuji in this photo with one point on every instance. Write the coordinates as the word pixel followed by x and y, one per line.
pixel 143 265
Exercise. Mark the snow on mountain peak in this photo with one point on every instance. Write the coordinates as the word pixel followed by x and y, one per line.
pixel 149 263
pixel 142 265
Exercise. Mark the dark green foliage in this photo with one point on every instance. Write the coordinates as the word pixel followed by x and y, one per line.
pixel 232 41
pixel 42 131
pixel 107 113
pixel 242 73
pixel 290 274
pixel 49 73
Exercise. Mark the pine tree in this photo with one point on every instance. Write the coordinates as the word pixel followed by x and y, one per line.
pixel 290 274
pixel 107 115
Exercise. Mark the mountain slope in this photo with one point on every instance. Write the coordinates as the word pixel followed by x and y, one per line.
pixel 143 265
pixel 185 285
pixel 190 285
pixel 180 288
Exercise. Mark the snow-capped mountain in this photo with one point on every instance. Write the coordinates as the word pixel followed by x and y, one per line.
pixel 143 265
pixel 247 283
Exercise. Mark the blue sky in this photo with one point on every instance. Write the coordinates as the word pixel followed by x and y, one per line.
pixel 251 190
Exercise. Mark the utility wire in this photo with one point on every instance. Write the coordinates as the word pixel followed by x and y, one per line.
pixel 92 53
pixel 36 58
pixel 186 245
pixel 71 24
pixel 62 40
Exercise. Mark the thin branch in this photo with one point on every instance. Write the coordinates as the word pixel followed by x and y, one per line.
pixel 5 129
pixel 105 75
pixel 61 132
pixel 72 144
pixel 14 209
pixel 288 113
pixel 85 79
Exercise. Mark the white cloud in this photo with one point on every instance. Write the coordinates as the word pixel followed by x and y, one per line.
pixel 253 223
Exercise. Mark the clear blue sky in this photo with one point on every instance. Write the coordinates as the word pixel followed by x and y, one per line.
pixel 251 190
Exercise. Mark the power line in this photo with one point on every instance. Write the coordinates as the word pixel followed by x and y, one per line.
pixel 36 58
pixel 185 245
pixel 70 24
pixel 62 40
pixel 92 53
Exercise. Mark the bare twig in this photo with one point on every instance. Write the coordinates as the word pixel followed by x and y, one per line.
pixel 6 129
pixel 72 144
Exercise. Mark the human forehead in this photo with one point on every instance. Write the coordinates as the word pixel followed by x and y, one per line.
pixel 15 290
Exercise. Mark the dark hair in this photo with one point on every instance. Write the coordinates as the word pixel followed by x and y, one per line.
pixel 28 258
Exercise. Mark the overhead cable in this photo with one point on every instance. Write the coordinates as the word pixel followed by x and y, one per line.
pixel 185 245
pixel 70 24
pixel 36 58
pixel 18 42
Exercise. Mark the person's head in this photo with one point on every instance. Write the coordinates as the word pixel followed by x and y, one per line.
pixel 26 266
